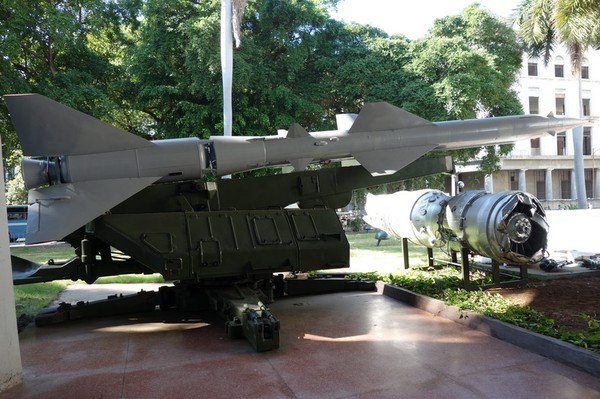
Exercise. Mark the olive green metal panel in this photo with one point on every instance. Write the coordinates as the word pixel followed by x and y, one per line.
pixel 317 231
pixel 199 245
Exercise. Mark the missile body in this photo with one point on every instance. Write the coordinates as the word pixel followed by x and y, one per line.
pixel 83 167
pixel 509 227
pixel 383 139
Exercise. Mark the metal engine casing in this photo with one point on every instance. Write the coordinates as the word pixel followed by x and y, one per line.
pixel 423 208
pixel 509 227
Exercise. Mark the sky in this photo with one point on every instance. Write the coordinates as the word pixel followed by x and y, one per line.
pixel 412 18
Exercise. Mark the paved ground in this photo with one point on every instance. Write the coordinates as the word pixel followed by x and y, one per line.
pixel 346 345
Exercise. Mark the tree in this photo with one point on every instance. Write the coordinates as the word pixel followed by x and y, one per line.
pixel 153 67
pixel 471 61
pixel 69 51
pixel 290 67
pixel 575 24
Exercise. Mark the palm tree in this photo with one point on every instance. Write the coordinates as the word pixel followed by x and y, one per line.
pixel 575 24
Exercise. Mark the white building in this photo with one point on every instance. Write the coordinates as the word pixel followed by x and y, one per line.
pixel 544 166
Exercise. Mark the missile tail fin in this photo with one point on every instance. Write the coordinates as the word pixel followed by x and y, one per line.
pixel 381 116
pixel 385 162
pixel 57 211
pixel 48 128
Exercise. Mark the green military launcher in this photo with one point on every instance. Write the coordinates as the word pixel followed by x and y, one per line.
pixel 225 244
pixel 129 205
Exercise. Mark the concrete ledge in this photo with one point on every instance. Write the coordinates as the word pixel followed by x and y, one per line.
pixel 10 380
pixel 551 348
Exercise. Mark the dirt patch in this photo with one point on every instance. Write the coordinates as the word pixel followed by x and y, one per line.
pixel 564 300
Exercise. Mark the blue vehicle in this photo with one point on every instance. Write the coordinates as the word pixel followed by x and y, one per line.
pixel 17 221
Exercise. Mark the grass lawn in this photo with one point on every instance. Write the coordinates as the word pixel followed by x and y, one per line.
pixel 42 253
pixel 367 256
pixel 30 298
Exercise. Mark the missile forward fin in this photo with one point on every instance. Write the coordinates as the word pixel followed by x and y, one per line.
pixel 296 131
pixel 48 128
pixel 345 121
pixel 385 162
pixel 381 116
pixel 56 211
pixel 300 164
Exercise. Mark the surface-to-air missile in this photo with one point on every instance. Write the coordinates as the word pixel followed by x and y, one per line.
pixel 88 166
pixel 92 185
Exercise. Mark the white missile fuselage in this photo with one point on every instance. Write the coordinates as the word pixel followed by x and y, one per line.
pixel 186 159
pixel 84 166
pixel 243 153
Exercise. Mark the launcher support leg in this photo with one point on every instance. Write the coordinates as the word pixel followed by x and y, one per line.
pixel 246 316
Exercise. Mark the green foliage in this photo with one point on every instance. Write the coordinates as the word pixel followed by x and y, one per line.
pixel 494 305
pixel 131 279
pixel 356 224
pixel 16 194
pixel 69 51
pixel 589 339
pixel 430 282
pixel 30 298
pixel 160 76
pixel 471 61
pixel 543 24
pixel 42 253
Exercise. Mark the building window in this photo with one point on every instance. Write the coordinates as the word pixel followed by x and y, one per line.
pixel 559 68
pixel 587 140
pixel 585 72
pixel 532 69
pixel 540 184
pixel 514 180
pixel 559 71
pixel 565 184
pixel 586 106
pixel 589 179
pixel 561 143
pixel 560 105
pixel 534 105
pixel 535 146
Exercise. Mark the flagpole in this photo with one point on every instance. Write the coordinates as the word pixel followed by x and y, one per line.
pixel 226 64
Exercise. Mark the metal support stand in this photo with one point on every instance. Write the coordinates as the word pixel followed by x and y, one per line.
pixel 466 266
pixel 430 257
pixel 464 254
pixel 405 252
pixel 523 273
pixel 241 306
pixel 495 272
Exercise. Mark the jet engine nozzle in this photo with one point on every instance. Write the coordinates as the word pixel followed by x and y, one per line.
pixel 40 172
